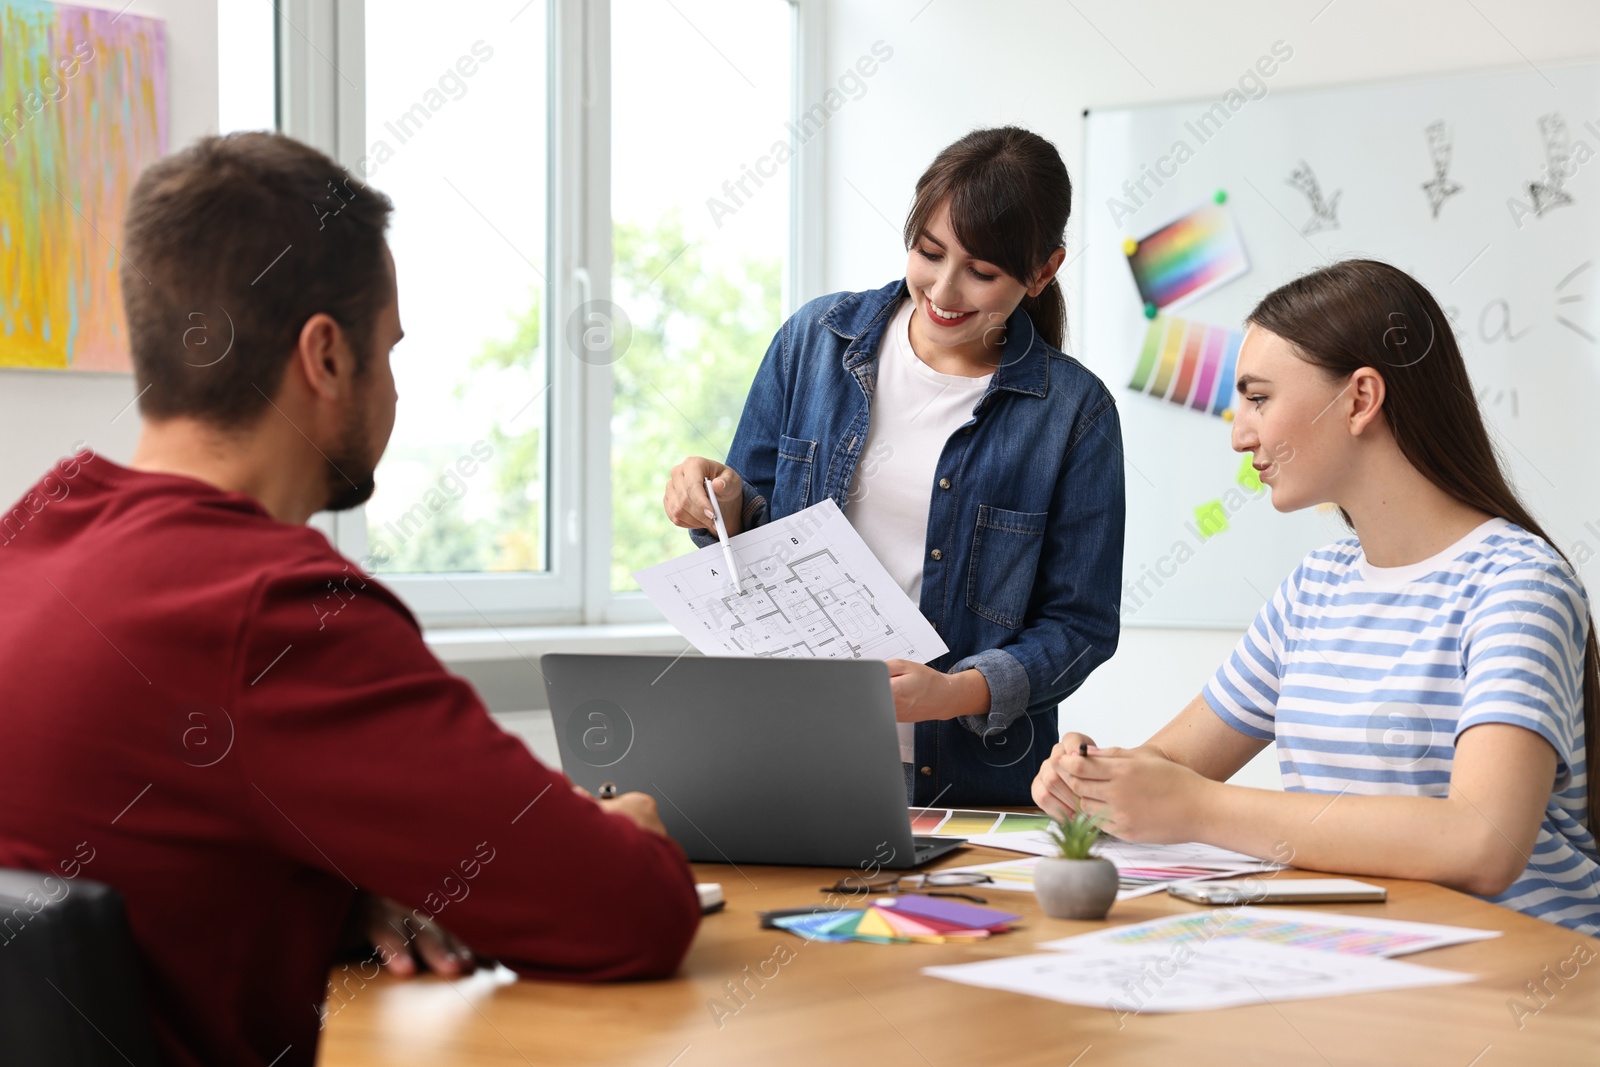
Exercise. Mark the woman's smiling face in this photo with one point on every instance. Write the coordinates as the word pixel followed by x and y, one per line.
pixel 961 299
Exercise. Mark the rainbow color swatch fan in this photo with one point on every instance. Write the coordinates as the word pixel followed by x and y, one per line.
pixel 902 920
pixel 1188 257
pixel 1189 363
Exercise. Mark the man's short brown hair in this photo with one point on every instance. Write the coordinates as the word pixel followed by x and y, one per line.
pixel 230 246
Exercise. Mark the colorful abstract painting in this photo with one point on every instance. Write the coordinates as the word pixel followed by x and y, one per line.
pixel 83 108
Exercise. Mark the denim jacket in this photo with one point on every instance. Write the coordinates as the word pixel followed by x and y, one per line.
pixel 1023 561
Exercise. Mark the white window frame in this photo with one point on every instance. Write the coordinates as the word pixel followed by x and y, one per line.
pixel 321 59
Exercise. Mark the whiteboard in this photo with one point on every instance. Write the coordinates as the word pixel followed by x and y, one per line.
pixel 1518 276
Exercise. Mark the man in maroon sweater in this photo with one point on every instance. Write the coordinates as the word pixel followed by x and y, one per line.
pixel 184 716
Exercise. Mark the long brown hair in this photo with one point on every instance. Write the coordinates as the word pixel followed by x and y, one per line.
pixel 1363 313
pixel 1010 199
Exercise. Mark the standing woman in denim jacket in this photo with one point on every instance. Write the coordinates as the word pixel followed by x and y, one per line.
pixel 979 463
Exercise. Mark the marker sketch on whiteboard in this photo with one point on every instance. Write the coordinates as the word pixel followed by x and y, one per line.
pixel 1440 146
pixel 1324 213
pixel 1549 190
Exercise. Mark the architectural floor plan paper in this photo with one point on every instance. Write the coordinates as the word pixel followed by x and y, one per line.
pixel 812 590
pixel 1128 979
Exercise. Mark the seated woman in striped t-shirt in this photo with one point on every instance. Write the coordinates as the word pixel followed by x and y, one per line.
pixel 1433 679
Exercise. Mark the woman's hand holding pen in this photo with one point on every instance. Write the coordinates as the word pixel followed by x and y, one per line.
pixel 1142 795
pixel 1050 789
pixel 686 501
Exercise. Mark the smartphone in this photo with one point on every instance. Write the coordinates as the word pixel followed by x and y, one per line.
pixel 1279 891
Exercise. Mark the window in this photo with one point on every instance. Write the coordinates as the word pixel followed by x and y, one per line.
pixel 456 125
pixel 247 75
pixel 700 208
pixel 584 273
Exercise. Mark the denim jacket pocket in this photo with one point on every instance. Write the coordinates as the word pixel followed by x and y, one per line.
pixel 791 488
pixel 1005 557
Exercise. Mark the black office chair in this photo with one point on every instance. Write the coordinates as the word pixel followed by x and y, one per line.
pixel 69 976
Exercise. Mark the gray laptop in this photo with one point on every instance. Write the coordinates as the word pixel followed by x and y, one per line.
pixel 780 761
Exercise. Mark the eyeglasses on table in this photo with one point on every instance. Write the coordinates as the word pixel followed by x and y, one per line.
pixel 859 884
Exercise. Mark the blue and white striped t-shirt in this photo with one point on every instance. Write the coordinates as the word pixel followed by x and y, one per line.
pixel 1366 675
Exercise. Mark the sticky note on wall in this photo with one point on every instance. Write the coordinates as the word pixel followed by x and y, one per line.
pixel 1249 477
pixel 1210 518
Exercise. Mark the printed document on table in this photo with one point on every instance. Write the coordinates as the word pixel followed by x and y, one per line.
pixel 812 590
pixel 1129 853
pixel 1188 977
pixel 1326 931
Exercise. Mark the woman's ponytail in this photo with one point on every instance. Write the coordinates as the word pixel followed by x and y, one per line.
pixel 1048 311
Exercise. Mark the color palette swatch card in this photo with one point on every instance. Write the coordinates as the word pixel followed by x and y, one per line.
pixel 1320 931
pixel 903 919
pixel 827 926
pixel 1188 257
pixel 959 822
pixel 954 912
pixel 1189 363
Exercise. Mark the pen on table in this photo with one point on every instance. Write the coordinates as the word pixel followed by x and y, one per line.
pixel 722 536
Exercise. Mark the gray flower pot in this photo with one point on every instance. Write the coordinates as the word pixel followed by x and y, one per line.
pixel 1075 889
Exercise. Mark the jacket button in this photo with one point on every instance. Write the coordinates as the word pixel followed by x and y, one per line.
pixel 936 554
pixel 944 483
pixel 967 430
pixel 927 772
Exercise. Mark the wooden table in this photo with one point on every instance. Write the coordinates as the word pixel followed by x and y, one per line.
pixel 867 1004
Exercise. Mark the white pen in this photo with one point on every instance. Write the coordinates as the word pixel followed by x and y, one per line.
pixel 722 535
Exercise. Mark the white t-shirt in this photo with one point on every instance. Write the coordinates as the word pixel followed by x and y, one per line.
pixel 914 411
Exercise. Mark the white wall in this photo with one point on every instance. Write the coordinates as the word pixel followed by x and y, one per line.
pixel 959 64
pixel 43 413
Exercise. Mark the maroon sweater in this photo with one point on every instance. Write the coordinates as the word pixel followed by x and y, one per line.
pixel 220 716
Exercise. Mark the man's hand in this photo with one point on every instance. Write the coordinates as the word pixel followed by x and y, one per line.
pixel 686 501
pixel 637 808
pixel 385 924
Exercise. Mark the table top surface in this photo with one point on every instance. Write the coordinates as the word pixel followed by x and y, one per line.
pixel 866 1003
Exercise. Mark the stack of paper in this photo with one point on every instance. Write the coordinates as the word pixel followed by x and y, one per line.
pixel 1129 979
pixel 1141 869
pixel 931 920
pixel 1324 931
pixel 1218 959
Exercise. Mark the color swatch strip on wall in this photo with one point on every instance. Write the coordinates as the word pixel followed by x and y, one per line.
pixel 86 93
pixel 1189 363
pixel 1188 257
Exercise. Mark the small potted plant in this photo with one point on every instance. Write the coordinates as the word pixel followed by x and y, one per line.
pixel 1074 884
